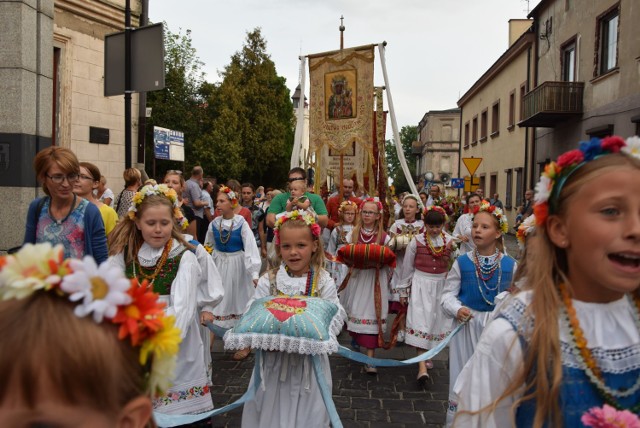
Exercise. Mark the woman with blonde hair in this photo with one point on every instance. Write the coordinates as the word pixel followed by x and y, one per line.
pixel 61 217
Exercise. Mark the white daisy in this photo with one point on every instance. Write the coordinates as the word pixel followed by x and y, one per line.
pixel 32 268
pixel 543 190
pixel 102 289
pixel 633 147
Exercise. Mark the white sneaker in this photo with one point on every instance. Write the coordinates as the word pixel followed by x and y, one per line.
pixel 401 334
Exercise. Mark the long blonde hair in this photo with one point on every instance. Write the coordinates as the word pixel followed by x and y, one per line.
pixel 355 234
pixel 541 377
pixel 126 237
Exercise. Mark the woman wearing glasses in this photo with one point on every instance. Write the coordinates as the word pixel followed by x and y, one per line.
pixel 61 217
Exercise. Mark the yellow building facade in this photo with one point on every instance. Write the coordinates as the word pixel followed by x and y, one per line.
pixel 490 111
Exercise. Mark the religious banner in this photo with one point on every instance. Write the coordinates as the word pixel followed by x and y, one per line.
pixel 340 112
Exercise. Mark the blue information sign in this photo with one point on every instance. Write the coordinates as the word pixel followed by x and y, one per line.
pixel 457 183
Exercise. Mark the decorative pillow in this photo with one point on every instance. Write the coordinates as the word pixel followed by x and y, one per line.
pixel 293 324
pixel 366 256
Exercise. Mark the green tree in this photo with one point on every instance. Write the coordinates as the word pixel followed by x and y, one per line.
pixel 408 134
pixel 251 135
pixel 180 105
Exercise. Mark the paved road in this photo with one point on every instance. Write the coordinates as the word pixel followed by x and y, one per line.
pixel 390 399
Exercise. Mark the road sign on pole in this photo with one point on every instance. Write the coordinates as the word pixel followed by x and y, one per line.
pixel 471 184
pixel 472 164
pixel 457 183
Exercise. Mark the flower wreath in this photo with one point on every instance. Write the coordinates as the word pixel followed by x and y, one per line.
pixel 158 190
pixel 230 194
pixel 437 208
pixel 494 211
pixel 557 172
pixel 104 292
pixel 375 200
pixel 526 228
pixel 296 215
pixel 346 204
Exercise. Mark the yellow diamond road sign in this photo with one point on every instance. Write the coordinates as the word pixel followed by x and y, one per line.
pixel 472 164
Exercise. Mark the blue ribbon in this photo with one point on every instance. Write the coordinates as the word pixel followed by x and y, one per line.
pixel 379 362
pixel 164 420
pixel 326 392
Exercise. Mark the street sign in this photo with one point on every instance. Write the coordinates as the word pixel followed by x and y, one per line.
pixel 147 60
pixel 457 183
pixel 471 184
pixel 472 164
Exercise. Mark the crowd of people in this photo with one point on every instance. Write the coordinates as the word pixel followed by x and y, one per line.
pixel 552 339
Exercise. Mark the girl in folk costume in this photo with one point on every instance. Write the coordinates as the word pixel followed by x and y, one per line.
pixel 290 395
pixel 147 245
pixel 109 347
pixel 210 289
pixel 473 283
pixel 238 260
pixel 566 350
pixel 359 303
pixel 402 231
pixel 347 211
pixel 426 264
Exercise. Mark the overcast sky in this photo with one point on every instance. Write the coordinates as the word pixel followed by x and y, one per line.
pixel 436 49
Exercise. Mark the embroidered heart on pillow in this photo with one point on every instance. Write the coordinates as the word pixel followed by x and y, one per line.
pixel 284 308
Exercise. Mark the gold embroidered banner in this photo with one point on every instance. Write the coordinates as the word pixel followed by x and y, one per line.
pixel 341 112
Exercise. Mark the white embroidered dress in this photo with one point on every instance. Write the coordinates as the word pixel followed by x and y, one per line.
pixel 338 240
pixel 463 228
pixel 397 228
pixel 238 260
pixel 290 396
pixel 190 392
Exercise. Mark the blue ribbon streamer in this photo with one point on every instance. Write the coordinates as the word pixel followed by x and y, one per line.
pixel 379 362
pixel 326 392
pixel 167 421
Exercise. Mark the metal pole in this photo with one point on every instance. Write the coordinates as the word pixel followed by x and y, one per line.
pixel 127 84
pixel 142 98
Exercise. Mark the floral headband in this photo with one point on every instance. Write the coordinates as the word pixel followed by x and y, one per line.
pixel 296 215
pixel 230 194
pixel 439 209
pixel 158 190
pixel 105 293
pixel 556 173
pixel 494 211
pixel 526 228
pixel 346 204
pixel 375 200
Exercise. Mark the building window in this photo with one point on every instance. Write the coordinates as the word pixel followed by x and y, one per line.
pixel 509 190
pixel 601 131
pixel 483 182
pixel 519 181
pixel 474 130
pixel 512 110
pixel 446 133
pixel 608 40
pixel 493 185
pixel 466 135
pixel 569 61
pixel 523 92
pixel 495 119
pixel 483 125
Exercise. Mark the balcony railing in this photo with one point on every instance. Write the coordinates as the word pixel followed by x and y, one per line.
pixel 552 103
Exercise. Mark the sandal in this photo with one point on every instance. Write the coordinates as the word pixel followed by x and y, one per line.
pixel 241 354
pixel 372 370
pixel 422 379
pixel 429 364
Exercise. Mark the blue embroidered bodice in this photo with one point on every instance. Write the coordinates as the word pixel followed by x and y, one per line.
pixel 234 242
pixel 620 369
pixel 470 295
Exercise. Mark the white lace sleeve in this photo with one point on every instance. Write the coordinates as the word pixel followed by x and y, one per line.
pixel 328 291
pixel 117 261
pixel 210 291
pixel 496 360
pixel 251 253
pixel 450 302
pixel 184 291
pixel 408 267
